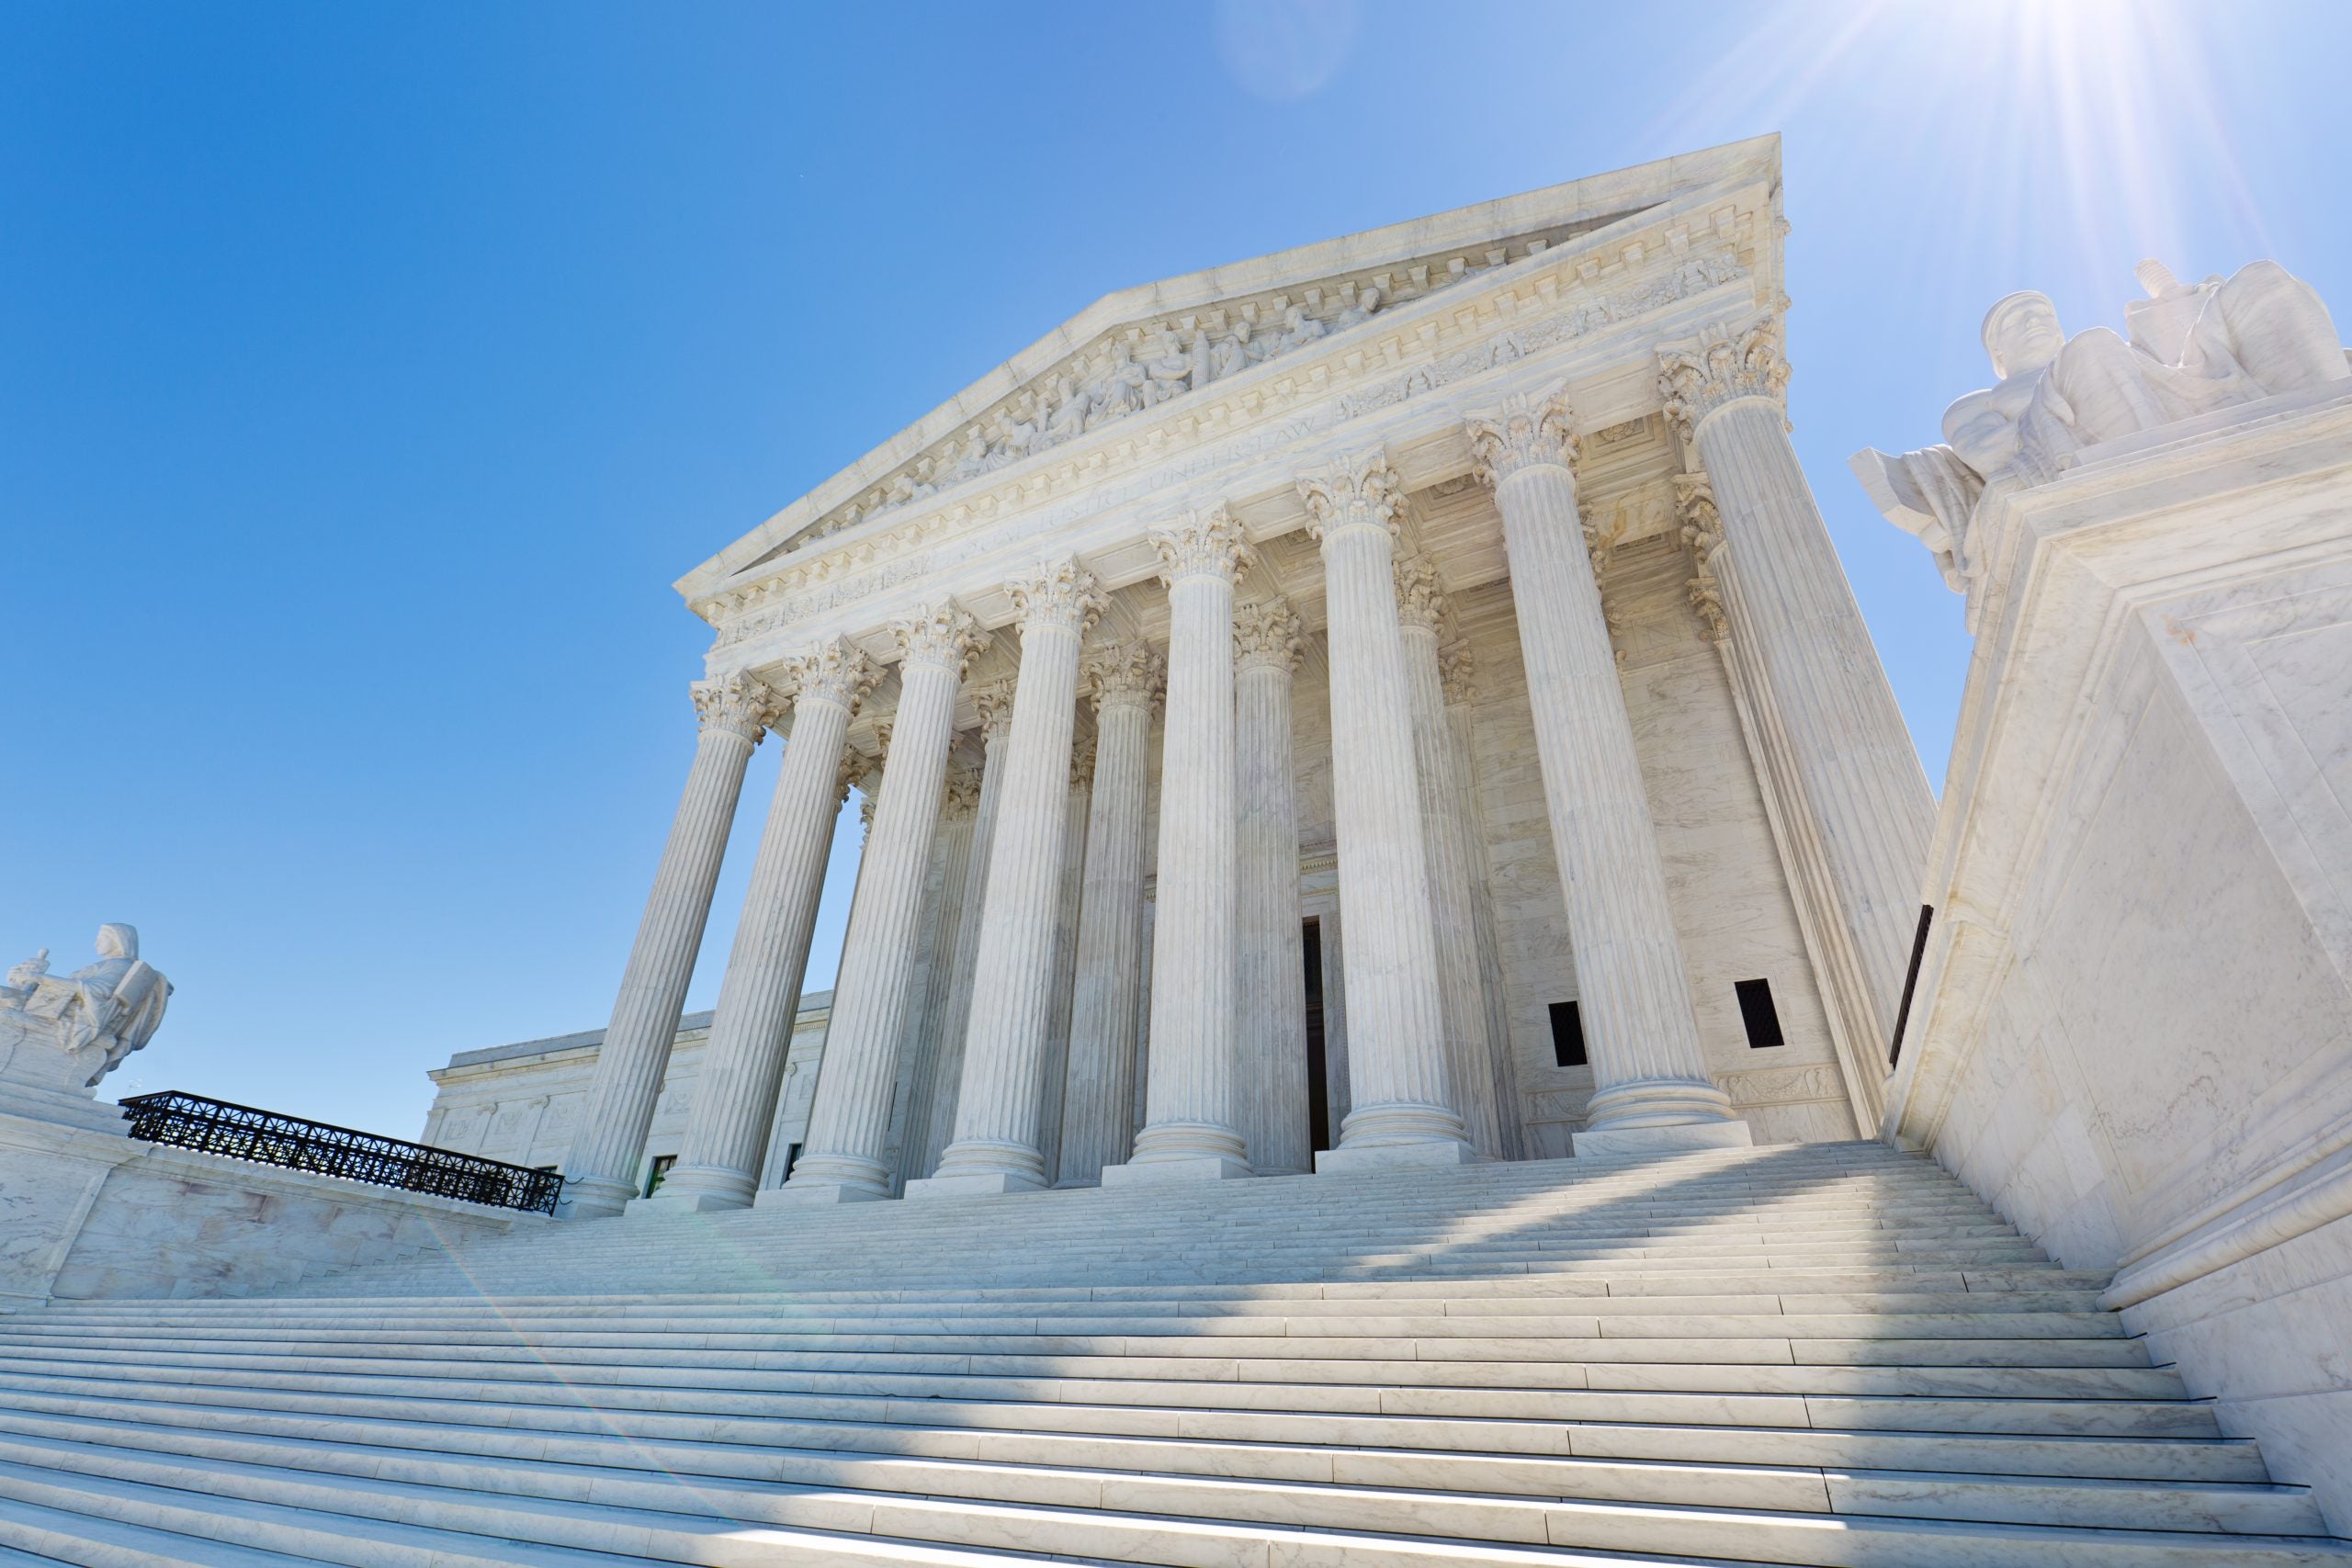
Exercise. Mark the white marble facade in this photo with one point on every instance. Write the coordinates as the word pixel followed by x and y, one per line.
pixel 1033 628
pixel 2132 1029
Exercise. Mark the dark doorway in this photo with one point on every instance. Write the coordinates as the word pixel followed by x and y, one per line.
pixel 1318 1105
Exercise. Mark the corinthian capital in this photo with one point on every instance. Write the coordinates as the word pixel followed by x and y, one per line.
pixel 963 797
pixel 1457 671
pixel 1694 503
pixel 995 703
pixel 1266 633
pixel 1524 432
pixel 1697 378
pixel 1420 596
pixel 1058 595
pixel 1125 673
pixel 1359 491
pixel 737 704
pixel 1206 543
pixel 940 634
pixel 837 672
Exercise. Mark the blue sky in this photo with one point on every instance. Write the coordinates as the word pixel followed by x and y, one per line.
pixel 369 372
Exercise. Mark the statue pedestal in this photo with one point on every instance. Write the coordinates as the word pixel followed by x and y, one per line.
pixel 57 1145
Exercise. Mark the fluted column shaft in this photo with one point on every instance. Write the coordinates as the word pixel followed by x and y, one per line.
pixel 1843 751
pixel 1099 1093
pixel 751 1030
pixel 850 1121
pixel 1508 1112
pixel 1403 1097
pixel 1189 1128
pixel 1446 829
pixel 1053 1075
pixel 1271 1016
pixel 995 705
pixel 1004 1045
pixel 1648 1067
pixel 935 972
pixel 600 1169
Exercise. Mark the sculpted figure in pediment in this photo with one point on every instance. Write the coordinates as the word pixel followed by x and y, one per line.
pixel 1168 373
pixel 1361 311
pixel 1299 329
pixel 1118 391
pixel 1230 355
pixel 1066 417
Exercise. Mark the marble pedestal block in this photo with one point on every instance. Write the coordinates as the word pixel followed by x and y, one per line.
pixel 1618 1143
pixel 1200 1167
pixel 1347 1161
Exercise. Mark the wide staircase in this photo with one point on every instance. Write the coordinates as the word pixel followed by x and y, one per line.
pixel 1826 1354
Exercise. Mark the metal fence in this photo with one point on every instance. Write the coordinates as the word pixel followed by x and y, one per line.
pixel 240 1132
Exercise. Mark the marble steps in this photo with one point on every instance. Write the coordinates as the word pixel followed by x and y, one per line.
pixel 2021 1414
pixel 2028 1383
pixel 1210 1522
pixel 1831 1357
pixel 835 1420
pixel 1183 1478
pixel 103 1522
pixel 1502 1296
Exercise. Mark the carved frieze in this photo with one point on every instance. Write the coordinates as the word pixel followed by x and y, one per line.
pixel 1190 441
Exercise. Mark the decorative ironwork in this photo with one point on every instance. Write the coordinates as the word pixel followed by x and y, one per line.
pixel 240 1132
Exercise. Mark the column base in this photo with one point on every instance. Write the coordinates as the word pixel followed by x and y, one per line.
pixel 594 1198
pixel 1633 1143
pixel 1151 1173
pixel 978 1184
pixel 696 1193
pixel 815 1194
pixel 1425 1154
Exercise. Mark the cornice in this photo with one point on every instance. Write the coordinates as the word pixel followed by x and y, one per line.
pixel 1611 278
pixel 1573 210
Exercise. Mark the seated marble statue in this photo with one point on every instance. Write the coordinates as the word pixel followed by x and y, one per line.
pixel 98 1014
pixel 2193 350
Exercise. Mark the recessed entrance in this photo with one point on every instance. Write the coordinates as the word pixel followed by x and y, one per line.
pixel 1319 1101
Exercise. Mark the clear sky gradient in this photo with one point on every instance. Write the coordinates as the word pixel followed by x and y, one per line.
pixel 368 372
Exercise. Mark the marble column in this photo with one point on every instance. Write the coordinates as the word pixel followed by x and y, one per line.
pixel 1455 667
pixel 1271 1021
pixel 935 970
pixel 1403 1097
pixel 751 1030
pixel 1445 825
pixel 1099 1086
pixel 1650 1073
pixel 842 1160
pixel 1189 1131
pixel 994 703
pixel 1836 752
pixel 1004 1047
pixel 1337 1099
pixel 1054 1075
pixel 601 1170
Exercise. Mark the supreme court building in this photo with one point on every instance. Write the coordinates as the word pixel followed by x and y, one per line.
pixel 1390 701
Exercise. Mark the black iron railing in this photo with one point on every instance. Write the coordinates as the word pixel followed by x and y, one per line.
pixel 240 1132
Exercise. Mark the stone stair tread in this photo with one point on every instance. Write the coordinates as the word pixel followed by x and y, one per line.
pixel 1826 1354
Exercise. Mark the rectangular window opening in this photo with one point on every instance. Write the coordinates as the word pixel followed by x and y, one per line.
pixel 1757 1011
pixel 1567 1036
pixel 661 1164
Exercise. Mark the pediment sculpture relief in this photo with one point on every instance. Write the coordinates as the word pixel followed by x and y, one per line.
pixel 2193 349
pixel 89 1021
pixel 1109 385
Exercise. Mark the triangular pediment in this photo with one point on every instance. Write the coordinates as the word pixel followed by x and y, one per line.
pixel 1148 348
